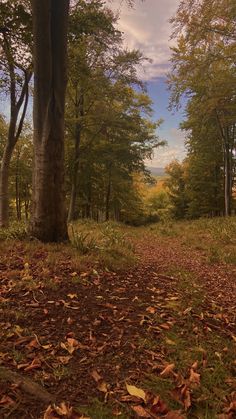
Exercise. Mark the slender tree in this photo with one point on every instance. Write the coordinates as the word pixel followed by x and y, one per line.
pixel 16 72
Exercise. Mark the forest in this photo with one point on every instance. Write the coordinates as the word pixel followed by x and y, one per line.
pixel 117 278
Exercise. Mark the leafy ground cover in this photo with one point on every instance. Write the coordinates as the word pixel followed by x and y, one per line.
pixel 151 336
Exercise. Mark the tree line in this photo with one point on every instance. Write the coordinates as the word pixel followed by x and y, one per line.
pixel 104 115
pixel 204 74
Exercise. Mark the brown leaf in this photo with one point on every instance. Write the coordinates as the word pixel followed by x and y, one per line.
pixel 36 363
pixel 174 415
pixel 186 397
pixel 167 370
pixel 159 406
pixel 6 401
pixel 151 310
pixel 140 412
pixel 129 398
pixel 71 345
pixel 97 377
pixel 194 377
pixel 64 359
pixel 102 386
pixel 195 365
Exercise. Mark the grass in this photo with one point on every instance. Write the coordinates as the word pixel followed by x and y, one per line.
pixel 195 341
pixel 99 410
pixel 106 242
pixel 216 237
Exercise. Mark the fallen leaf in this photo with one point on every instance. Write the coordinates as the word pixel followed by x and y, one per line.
pixel 63 410
pixel 72 296
pixel 167 370
pixel 64 359
pixel 186 397
pixel 140 412
pixel 135 391
pixel 159 407
pixel 102 386
pixel 194 377
pixel 33 344
pixel 195 365
pixel 151 310
pixel 6 401
pixel 129 398
pixel 170 342
pixel 165 326
pixel 97 377
pixel 71 345
pixel 36 363
pixel 174 415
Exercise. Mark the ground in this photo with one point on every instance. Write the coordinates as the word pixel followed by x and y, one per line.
pixel 151 336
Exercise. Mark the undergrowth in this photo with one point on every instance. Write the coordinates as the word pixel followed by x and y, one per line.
pixel 216 237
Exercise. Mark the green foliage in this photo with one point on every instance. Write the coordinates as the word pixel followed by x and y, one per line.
pixel 214 236
pixel 110 132
pixel 176 184
pixel 107 243
pixel 204 72
pixel 83 242
pixel 17 230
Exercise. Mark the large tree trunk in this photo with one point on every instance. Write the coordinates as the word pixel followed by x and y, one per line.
pixel 50 21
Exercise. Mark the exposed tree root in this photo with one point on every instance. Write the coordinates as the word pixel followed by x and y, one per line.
pixel 26 385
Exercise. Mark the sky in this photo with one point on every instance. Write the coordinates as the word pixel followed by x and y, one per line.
pixel 147 27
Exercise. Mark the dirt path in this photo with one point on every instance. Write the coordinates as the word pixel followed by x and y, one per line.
pixel 167 327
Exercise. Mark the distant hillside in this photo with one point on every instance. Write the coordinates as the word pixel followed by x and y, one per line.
pixel 157 171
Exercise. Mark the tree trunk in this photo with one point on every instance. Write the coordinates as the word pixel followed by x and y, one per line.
pixel 227 182
pixel 108 195
pixel 74 186
pixel 17 189
pixel 4 181
pixel 50 21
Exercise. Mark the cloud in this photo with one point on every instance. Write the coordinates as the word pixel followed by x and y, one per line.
pixel 174 150
pixel 147 28
pixel 162 157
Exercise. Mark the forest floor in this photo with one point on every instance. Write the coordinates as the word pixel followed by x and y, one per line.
pixel 154 339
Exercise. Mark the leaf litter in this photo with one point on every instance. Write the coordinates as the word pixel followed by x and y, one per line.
pixel 119 337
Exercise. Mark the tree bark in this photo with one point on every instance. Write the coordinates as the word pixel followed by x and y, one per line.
pixel 4 181
pixel 73 196
pixel 108 196
pixel 79 112
pixel 50 21
pixel 17 190
pixel 26 385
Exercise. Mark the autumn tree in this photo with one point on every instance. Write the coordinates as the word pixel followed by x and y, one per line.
pixel 15 72
pixel 101 73
pixel 91 38
pixel 177 190
pixel 109 160
pixel 204 67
